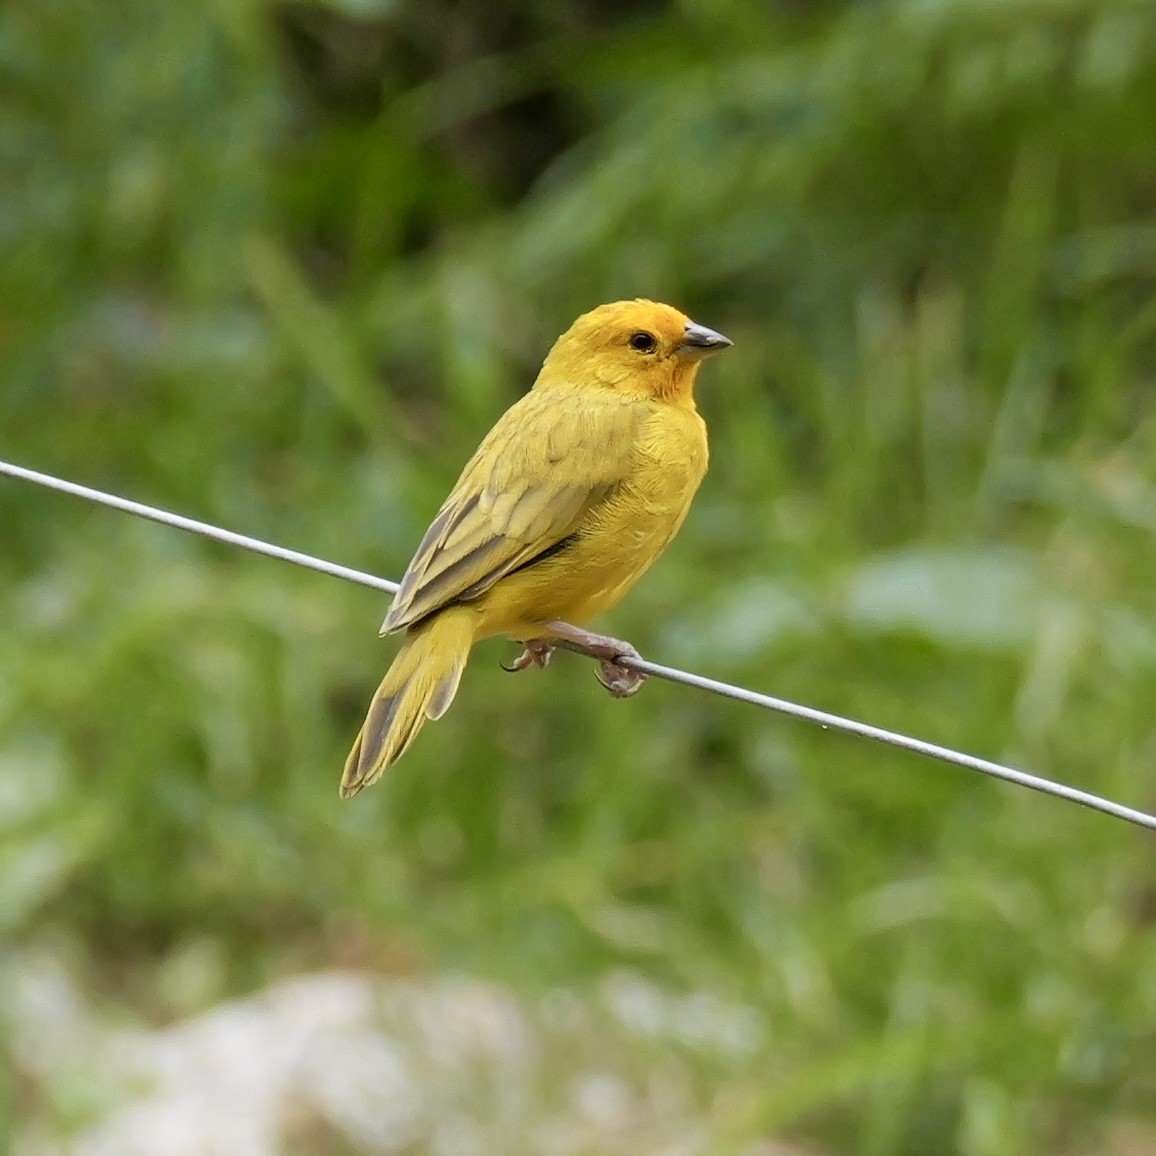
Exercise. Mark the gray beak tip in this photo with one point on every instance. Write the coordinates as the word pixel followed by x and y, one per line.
pixel 701 340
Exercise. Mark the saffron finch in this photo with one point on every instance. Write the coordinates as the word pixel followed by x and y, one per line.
pixel 577 489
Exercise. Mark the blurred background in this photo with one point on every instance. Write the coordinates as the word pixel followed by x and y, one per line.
pixel 279 266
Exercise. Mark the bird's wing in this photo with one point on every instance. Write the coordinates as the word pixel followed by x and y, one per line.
pixel 549 460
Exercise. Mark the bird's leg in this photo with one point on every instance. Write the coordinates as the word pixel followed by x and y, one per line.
pixel 621 681
pixel 537 653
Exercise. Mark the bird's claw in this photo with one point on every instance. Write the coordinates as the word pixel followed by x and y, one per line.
pixel 621 681
pixel 537 653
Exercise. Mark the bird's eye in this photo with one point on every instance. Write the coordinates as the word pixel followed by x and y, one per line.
pixel 643 342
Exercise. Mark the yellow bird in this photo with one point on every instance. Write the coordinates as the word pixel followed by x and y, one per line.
pixel 577 489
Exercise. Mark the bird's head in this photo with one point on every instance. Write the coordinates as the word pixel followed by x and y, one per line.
pixel 639 347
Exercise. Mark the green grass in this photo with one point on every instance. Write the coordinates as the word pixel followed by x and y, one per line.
pixel 280 270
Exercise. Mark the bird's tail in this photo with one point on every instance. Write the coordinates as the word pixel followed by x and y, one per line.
pixel 420 684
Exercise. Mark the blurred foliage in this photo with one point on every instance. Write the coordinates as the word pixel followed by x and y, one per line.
pixel 280 265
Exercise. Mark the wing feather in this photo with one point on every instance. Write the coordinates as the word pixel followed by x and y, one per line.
pixel 542 468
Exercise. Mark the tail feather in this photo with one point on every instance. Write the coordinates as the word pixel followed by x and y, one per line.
pixel 419 685
pixel 443 693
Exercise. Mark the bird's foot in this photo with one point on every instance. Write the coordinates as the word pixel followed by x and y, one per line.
pixel 537 653
pixel 620 680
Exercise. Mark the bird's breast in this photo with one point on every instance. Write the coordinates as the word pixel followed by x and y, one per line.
pixel 618 540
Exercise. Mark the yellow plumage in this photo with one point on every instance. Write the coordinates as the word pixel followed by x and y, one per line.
pixel 571 496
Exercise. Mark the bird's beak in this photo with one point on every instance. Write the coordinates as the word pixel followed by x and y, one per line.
pixel 698 341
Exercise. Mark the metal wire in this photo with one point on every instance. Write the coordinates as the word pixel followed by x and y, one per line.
pixel 671 674
pixel 127 506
